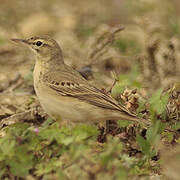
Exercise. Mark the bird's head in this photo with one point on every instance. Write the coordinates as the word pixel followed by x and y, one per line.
pixel 44 47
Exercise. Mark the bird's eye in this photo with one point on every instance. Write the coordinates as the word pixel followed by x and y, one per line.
pixel 38 43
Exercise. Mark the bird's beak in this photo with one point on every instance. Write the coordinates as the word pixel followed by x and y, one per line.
pixel 20 41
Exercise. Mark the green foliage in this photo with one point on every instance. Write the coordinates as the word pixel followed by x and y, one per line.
pixel 158 103
pixel 124 123
pixel 144 145
pixel 49 149
pixel 24 148
pixel 152 138
pixel 125 80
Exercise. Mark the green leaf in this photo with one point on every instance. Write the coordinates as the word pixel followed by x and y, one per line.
pixel 81 132
pixel 7 146
pixel 67 140
pixel 47 122
pixel 19 169
pixel 21 163
pixel 158 102
pixel 153 132
pixel 47 167
pixel 125 80
pixel 124 123
pixel 117 89
pixel 144 145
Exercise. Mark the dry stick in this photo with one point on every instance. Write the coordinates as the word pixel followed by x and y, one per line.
pixel 16 118
pixel 97 42
pixel 108 38
pixel 14 86
pixel 108 41
pixel 19 117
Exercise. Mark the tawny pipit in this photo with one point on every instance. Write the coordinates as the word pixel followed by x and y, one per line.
pixel 64 93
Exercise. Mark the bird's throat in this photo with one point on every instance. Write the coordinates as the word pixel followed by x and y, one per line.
pixel 48 63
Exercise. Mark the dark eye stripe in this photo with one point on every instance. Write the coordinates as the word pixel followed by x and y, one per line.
pixel 46 45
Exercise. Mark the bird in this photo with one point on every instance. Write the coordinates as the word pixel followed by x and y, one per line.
pixel 65 94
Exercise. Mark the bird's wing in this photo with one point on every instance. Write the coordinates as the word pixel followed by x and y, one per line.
pixel 68 84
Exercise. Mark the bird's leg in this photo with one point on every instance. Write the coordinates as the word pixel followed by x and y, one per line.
pixel 104 127
pixel 107 126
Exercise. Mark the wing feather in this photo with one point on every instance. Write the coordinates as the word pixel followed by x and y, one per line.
pixel 67 85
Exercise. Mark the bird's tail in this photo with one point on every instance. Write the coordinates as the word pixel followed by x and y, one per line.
pixel 133 118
